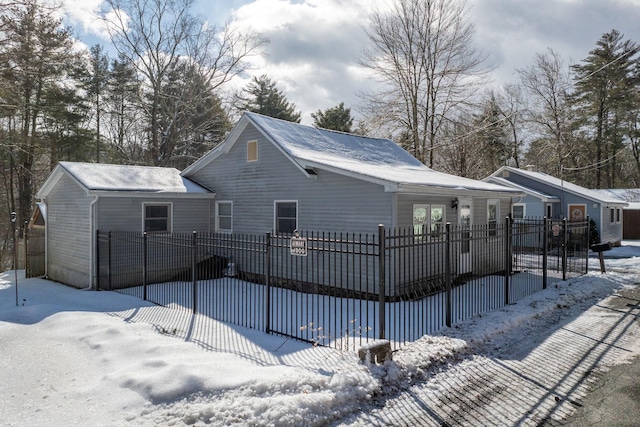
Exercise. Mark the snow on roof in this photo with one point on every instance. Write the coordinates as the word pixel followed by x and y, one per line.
pixel 106 177
pixel 540 195
pixel 376 158
pixel 564 185
pixel 626 194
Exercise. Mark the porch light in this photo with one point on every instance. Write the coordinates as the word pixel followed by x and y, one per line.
pixel 454 203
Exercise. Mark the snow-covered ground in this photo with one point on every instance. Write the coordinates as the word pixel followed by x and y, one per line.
pixel 72 357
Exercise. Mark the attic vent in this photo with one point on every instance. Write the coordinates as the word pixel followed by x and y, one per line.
pixel 252 151
pixel 505 174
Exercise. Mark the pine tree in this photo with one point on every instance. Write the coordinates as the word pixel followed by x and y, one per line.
pixel 604 84
pixel 263 97
pixel 36 63
pixel 335 118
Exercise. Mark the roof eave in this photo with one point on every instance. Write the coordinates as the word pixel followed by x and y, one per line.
pixel 457 191
pixel 151 194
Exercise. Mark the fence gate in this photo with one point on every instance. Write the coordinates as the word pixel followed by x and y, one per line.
pixel 35 252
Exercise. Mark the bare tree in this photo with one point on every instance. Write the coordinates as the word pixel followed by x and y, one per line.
pixel 423 55
pixel 512 105
pixel 156 35
pixel 547 83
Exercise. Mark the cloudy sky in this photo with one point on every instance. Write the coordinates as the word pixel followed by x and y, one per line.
pixel 314 44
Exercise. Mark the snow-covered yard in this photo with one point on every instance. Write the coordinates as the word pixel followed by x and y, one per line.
pixel 71 357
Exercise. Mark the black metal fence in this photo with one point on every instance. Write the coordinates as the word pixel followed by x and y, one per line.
pixel 343 289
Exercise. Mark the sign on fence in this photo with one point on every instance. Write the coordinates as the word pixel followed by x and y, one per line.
pixel 298 246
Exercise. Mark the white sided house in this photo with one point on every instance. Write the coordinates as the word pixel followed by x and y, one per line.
pixel 82 198
pixel 279 176
pixel 276 176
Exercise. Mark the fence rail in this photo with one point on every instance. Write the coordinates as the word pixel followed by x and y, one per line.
pixel 343 289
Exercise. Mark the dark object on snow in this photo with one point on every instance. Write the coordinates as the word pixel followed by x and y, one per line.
pixel 376 351
pixel 600 248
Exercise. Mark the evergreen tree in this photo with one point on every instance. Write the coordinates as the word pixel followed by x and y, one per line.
pixel 36 63
pixel 263 97
pixel 604 90
pixel 335 118
pixel 123 114
pixel 491 136
pixel 96 86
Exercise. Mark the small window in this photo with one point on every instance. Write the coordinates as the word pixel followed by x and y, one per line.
pixel 612 211
pixel 618 211
pixel 224 217
pixel 252 151
pixel 286 217
pixel 549 210
pixel 518 211
pixel 493 209
pixel 157 218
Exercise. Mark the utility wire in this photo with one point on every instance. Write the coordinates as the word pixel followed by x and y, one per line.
pixel 513 114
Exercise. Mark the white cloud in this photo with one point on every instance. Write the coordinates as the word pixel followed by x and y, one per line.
pixel 85 14
pixel 313 49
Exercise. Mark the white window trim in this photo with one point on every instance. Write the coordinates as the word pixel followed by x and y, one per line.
pixel 569 205
pixel 223 230
pixel 275 213
pixel 618 215
pixel 169 212
pixel 253 141
pixel 524 210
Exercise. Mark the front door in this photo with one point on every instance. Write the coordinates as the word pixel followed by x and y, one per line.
pixel 464 221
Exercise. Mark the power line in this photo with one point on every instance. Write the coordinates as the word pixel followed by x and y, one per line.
pixel 630 52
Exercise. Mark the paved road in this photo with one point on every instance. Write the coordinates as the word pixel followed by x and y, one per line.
pixel 613 402
pixel 542 379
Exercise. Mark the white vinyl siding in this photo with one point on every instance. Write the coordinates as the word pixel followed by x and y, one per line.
pixel 326 202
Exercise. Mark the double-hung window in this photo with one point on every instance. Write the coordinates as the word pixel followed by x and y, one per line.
pixel 157 217
pixel 224 217
pixel 286 216
pixel 493 210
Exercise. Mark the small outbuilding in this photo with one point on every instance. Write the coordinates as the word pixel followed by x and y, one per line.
pixel 81 198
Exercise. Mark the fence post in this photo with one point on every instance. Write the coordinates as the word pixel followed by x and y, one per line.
pixel 144 265
pixel 587 236
pixel 381 280
pixel 507 258
pixel 545 250
pixel 267 279
pixel 109 243
pixel 194 273
pixel 447 275
pixel 565 240
pixel 97 260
